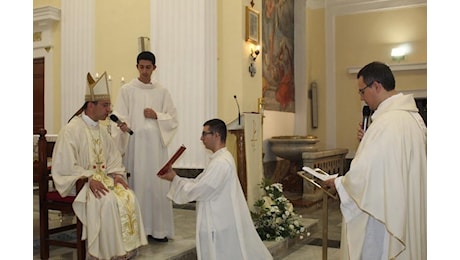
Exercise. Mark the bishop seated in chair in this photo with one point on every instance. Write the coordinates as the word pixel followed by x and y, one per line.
pixel 108 209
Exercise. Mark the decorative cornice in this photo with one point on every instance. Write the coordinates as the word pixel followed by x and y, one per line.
pixel 395 67
pixel 46 12
pixel 46 16
pixel 358 6
pixel 343 7
pixel 417 93
pixel 315 4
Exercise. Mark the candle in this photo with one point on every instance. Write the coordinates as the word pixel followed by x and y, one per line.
pixel 110 77
pixel 97 75
pixel 122 79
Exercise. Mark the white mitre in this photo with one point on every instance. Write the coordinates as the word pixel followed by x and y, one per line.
pixel 97 89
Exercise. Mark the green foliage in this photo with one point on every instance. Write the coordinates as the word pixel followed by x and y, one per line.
pixel 274 216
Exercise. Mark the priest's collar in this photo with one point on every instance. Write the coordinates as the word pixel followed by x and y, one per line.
pixel 88 120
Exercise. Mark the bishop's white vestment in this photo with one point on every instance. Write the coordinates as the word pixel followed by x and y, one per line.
pixel 224 228
pixel 383 195
pixel 145 152
pixel 113 223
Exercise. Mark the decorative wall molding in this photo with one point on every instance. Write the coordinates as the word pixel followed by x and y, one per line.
pixel 343 7
pixel 359 6
pixel 315 4
pixel 46 15
pixel 418 93
pixel 44 19
pixel 395 67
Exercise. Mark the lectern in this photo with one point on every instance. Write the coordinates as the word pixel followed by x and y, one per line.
pixel 248 132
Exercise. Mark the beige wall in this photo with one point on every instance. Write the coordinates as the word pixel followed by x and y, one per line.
pixel 360 38
pixel 117 32
pixel 363 38
pixel 316 70
pixel 233 62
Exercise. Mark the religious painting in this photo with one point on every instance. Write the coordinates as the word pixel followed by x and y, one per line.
pixel 278 55
pixel 252 25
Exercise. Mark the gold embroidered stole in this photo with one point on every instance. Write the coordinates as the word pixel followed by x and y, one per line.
pixel 125 199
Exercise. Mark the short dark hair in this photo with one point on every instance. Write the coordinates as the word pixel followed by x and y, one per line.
pixel 146 55
pixel 380 72
pixel 217 126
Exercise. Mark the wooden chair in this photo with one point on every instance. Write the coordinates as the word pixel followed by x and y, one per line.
pixel 51 200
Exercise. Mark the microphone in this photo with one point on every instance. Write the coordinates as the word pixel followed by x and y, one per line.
pixel 366 114
pixel 239 114
pixel 115 119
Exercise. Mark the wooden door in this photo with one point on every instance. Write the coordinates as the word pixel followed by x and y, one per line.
pixel 39 94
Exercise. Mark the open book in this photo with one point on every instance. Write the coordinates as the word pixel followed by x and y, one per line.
pixel 171 161
pixel 318 173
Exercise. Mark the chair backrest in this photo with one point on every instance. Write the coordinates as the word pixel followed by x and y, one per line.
pixel 45 151
pixel 51 200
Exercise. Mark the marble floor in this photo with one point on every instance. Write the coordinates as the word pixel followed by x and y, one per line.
pixel 183 245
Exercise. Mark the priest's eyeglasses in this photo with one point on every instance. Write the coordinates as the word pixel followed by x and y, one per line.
pixel 207 133
pixel 361 90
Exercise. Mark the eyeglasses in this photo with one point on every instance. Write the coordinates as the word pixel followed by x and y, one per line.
pixel 361 90
pixel 207 133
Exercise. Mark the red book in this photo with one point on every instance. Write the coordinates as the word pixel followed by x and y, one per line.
pixel 171 161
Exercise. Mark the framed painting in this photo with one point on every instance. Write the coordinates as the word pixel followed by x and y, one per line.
pixel 252 25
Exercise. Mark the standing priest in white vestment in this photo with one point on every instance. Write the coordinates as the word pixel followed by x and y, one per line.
pixel 383 195
pixel 224 228
pixel 146 107
pixel 108 209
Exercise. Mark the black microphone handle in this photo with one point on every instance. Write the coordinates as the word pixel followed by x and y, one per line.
pixel 365 122
pixel 366 114
pixel 129 129
pixel 115 119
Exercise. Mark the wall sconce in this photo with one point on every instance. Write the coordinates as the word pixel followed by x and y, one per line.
pixel 253 57
pixel 398 54
pixel 254 54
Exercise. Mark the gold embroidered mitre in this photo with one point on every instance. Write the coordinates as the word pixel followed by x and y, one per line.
pixel 97 89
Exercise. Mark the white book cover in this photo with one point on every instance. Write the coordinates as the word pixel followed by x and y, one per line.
pixel 318 173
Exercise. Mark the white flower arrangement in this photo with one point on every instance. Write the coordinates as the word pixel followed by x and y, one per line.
pixel 274 216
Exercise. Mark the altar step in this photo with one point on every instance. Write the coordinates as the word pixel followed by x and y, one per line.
pixel 182 247
pixel 278 249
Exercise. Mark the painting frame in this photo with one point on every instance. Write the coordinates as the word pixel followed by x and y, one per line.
pixel 252 25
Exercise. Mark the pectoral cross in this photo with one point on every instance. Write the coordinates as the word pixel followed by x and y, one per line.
pixel 98 166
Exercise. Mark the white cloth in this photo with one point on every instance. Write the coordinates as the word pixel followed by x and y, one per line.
pixel 112 224
pixel 383 195
pixel 224 228
pixel 146 151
